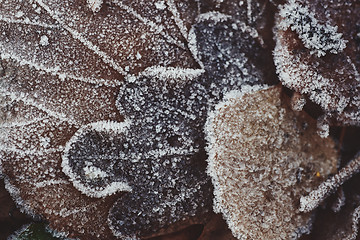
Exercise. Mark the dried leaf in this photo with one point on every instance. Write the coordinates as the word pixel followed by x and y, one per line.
pixel 74 70
pixel 317 54
pixel 262 158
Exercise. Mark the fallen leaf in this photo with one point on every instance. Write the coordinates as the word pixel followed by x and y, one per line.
pixel 317 54
pixel 262 158
pixel 72 74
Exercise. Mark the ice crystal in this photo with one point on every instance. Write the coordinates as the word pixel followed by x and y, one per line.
pixel 95 5
pixel 248 132
pixel 298 101
pixel 74 72
pixel 332 81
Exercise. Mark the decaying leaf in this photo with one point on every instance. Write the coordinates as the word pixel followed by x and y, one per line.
pixel 310 202
pixel 73 73
pixel 262 157
pixel 317 53
pixel 10 217
pixel 255 13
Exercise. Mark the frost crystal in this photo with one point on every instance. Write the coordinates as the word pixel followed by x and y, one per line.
pixel 95 5
pixel 44 40
pixel 262 158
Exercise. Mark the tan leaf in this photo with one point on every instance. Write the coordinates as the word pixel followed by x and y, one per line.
pixel 262 158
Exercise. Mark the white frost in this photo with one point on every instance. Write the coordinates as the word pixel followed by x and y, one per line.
pixel 310 202
pixel 160 5
pixel 95 5
pixel 93 172
pixel 319 38
pixel 171 72
pixel 44 40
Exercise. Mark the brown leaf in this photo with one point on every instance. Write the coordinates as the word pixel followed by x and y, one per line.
pixel 74 70
pixel 317 54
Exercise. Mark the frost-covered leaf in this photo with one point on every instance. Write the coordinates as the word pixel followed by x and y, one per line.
pixel 308 203
pixel 319 38
pixel 317 54
pixel 230 51
pixel 124 36
pixel 74 70
pixel 62 64
pixel 262 158
pixel 255 13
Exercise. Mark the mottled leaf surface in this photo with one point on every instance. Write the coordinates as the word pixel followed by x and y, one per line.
pixel 248 132
pixel 317 54
pixel 103 107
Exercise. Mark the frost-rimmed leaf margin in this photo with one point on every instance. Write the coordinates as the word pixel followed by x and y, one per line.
pixel 212 152
pixel 326 80
pixel 101 126
pixel 278 131
pixel 313 35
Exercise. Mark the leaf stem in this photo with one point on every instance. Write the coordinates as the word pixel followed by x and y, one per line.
pixel 310 202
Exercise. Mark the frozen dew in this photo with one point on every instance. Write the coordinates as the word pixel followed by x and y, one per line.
pixel 95 5
pixel 248 132
pixel 160 5
pixel 44 40
pixel 93 173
